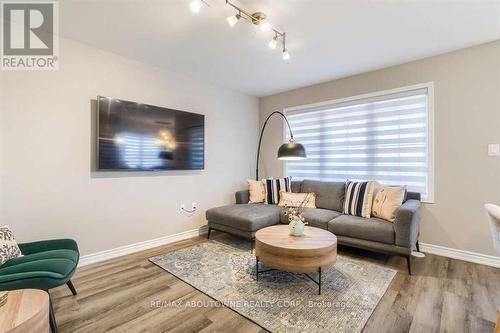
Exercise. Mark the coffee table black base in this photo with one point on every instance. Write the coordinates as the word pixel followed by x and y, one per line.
pixel 257 272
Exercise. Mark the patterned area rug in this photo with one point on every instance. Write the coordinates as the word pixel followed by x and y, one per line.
pixel 281 301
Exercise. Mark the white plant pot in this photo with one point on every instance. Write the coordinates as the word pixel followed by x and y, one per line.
pixel 296 227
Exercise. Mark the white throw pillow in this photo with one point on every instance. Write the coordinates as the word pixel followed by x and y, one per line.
pixel 256 190
pixel 8 245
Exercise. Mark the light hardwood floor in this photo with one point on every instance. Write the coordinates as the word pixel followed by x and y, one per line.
pixel 443 295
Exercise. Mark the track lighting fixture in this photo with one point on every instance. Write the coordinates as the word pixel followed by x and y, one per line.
pixel 258 19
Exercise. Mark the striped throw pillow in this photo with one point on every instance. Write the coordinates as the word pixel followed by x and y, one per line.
pixel 273 188
pixel 358 198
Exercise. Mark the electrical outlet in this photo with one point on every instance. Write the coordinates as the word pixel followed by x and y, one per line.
pixel 493 149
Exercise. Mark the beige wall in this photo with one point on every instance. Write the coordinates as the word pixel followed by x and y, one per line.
pixel 467 118
pixel 46 187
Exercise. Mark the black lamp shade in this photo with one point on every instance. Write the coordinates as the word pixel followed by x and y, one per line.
pixel 292 151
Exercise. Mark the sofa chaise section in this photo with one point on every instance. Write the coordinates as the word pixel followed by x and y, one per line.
pixel 243 220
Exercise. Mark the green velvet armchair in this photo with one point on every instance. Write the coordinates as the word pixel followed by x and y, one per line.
pixel 44 265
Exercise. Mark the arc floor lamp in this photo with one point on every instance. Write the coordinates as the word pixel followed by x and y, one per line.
pixel 288 151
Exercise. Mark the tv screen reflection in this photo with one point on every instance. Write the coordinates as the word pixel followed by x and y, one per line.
pixel 140 137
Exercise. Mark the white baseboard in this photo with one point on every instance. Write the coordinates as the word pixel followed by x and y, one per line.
pixel 92 258
pixel 141 246
pixel 474 257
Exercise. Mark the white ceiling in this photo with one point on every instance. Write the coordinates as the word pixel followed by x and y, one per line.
pixel 326 39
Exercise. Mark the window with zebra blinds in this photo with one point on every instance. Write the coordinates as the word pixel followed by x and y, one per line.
pixel 385 136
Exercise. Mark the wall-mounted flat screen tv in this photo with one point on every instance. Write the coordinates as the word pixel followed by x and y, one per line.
pixel 139 137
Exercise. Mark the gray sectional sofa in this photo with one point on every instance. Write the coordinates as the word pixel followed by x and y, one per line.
pixel 398 238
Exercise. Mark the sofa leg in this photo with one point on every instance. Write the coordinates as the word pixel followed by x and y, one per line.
pixel 71 287
pixel 209 231
pixel 408 261
pixel 252 245
pixel 418 246
pixel 52 317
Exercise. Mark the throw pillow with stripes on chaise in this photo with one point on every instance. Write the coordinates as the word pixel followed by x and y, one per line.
pixel 273 188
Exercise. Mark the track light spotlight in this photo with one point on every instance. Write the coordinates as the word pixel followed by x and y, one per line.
pixel 272 44
pixel 232 20
pixel 195 6
pixel 286 55
pixel 265 26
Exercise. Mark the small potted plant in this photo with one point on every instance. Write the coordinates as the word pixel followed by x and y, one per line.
pixel 295 218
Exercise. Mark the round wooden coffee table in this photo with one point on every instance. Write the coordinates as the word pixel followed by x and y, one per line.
pixel 314 251
pixel 26 311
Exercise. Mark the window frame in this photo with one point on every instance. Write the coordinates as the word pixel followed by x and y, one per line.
pixel 431 192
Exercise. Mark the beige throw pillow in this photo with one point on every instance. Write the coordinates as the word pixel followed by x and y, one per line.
pixel 387 200
pixel 257 191
pixel 290 199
